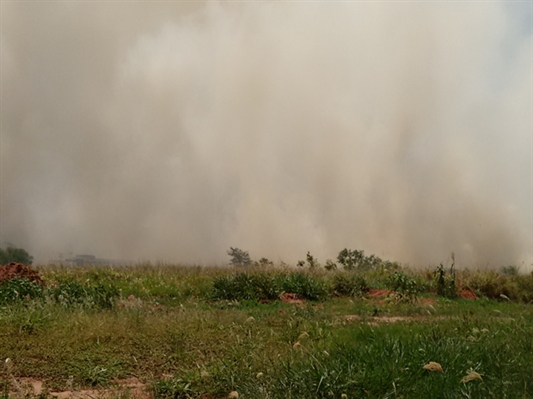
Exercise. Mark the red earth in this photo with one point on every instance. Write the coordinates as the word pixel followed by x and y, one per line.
pixel 14 270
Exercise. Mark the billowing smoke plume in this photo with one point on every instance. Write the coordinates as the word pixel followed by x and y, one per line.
pixel 172 131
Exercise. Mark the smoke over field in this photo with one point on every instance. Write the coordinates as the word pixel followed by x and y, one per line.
pixel 172 131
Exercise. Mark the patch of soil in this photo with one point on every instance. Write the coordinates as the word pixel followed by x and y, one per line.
pixel 18 270
pixel 288 297
pixel 375 293
pixel 467 294
pixel 376 321
pixel 428 301
pixel 129 387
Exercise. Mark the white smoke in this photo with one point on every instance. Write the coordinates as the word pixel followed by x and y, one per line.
pixel 164 133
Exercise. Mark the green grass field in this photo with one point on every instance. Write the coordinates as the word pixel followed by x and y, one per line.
pixel 190 332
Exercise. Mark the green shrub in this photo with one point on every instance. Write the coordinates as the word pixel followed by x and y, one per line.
pixel 356 260
pixel 446 286
pixel 74 293
pixel 12 254
pixel 524 287
pixel 268 286
pixel 19 289
pixel 242 286
pixel 305 286
pixel 509 270
pixel 405 287
pixel 490 284
pixel 349 284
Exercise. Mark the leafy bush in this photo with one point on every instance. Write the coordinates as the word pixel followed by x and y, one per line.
pixel 330 265
pixel 305 285
pixel 74 293
pixel 244 285
pixel 12 254
pixel 268 286
pixel 509 270
pixel 490 284
pixel 349 284
pixel 264 262
pixel 494 285
pixel 356 260
pixel 405 287
pixel 19 289
pixel 446 286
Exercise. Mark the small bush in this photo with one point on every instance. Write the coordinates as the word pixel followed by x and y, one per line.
pixel 19 289
pixel 74 293
pixel 405 287
pixel 494 285
pixel 268 286
pixel 446 286
pixel 305 285
pixel 242 286
pixel 356 260
pixel 330 265
pixel 12 254
pixel 509 270
pixel 349 284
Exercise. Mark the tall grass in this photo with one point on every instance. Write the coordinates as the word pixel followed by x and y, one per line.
pixel 220 330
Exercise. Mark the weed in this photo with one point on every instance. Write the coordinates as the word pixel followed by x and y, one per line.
pixel 74 293
pixel 18 290
pixel 446 286
pixel 405 287
pixel 304 285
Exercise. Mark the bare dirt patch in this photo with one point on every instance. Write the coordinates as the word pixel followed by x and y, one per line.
pixel 288 297
pixel 380 320
pixel 130 388
pixel 375 293
pixel 468 294
pixel 18 270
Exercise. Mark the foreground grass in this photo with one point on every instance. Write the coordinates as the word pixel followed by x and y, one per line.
pixel 168 327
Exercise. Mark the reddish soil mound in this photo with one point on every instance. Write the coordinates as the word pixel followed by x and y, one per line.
pixel 467 294
pixel 14 270
pixel 290 298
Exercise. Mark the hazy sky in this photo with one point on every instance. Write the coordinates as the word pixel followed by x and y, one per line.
pixel 172 131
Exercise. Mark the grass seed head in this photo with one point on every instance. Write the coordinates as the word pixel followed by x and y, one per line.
pixel 433 366
pixel 233 395
pixel 471 375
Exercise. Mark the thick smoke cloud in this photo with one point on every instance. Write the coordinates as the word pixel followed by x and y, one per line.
pixel 172 131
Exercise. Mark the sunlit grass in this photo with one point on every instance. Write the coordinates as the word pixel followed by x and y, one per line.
pixel 172 328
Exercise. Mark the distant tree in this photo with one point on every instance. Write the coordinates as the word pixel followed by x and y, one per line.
pixel 12 254
pixel 330 265
pixel 239 257
pixel 264 262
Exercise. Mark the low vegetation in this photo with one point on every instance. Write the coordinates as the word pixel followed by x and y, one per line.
pixel 359 328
